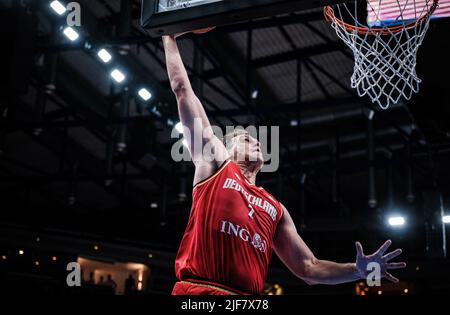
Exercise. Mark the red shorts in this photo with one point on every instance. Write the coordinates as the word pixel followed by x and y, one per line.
pixel 201 288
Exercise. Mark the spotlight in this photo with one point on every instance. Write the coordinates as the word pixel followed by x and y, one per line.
pixel 58 7
pixel 121 147
pixel 104 55
pixel 117 75
pixel 21 252
pixel 446 219
pixel 396 221
pixel 145 94
pixel 71 200
pixel 71 33
pixel 153 205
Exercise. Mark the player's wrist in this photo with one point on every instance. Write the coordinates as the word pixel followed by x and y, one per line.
pixel 356 272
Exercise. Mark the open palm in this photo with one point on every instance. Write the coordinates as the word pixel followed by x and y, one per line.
pixel 380 258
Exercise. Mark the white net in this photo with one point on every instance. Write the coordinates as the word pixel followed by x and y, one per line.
pixel 384 36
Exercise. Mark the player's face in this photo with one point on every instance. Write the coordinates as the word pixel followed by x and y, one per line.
pixel 249 149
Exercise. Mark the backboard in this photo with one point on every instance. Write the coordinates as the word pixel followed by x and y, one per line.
pixel 163 17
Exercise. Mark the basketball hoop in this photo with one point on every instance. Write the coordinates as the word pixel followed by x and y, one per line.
pixel 384 36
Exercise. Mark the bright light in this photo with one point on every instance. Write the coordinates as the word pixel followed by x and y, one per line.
pixel 153 205
pixel 104 55
pixel 396 221
pixel 255 94
pixel 71 33
pixel 21 252
pixel 54 258
pixel 145 94
pixel 179 127
pixel 446 219
pixel 406 291
pixel 4 257
pixel 36 263
pixel 58 7
pixel 294 123
pixel 95 247
pixel 371 115
pixel 380 292
pixel 117 75
pixel 150 256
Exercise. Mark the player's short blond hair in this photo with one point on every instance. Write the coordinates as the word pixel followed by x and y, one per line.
pixel 228 139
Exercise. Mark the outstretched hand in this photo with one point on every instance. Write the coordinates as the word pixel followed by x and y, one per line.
pixel 378 257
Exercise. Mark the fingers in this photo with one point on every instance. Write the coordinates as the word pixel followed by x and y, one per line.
pixel 359 249
pixel 392 255
pixel 391 277
pixel 384 247
pixel 399 265
pixel 204 30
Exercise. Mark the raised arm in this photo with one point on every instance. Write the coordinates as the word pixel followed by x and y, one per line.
pixel 296 255
pixel 197 128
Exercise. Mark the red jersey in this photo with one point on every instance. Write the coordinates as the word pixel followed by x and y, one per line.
pixel 229 236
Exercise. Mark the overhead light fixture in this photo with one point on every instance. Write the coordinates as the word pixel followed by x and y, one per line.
pixel 396 221
pixel 179 127
pixel 104 55
pixel 58 7
pixel 117 75
pixel 446 219
pixel 71 33
pixel 145 94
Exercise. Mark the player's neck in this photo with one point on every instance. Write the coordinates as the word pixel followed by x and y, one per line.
pixel 249 169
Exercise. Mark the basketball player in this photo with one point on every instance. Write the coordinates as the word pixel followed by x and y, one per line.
pixel 234 225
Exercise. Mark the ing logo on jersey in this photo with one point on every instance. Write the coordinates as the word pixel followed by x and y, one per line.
pixel 243 234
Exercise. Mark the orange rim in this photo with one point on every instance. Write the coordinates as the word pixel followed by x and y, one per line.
pixel 330 17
